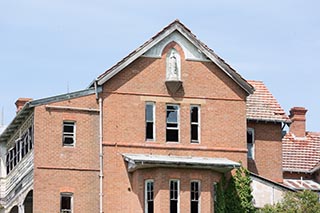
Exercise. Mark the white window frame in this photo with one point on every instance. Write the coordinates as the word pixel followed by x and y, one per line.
pixel 66 194
pixel 154 120
pixel 67 134
pixel 178 190
pixel 146 194
pixel 178 123
pixel 195 123
pixel 251 149
pixel 199 192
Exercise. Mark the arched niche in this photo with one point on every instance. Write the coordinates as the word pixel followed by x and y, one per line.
pixel 173 65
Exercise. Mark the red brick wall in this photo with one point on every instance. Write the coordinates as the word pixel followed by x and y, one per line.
pixel 124 191
pixel 66 169
pixel 223 130
pixel 223 134
pixel 268 150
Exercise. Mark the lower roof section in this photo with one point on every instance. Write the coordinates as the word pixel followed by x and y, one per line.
pixel 141 161
pixel 301 184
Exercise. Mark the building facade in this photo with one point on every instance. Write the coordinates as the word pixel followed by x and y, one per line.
pixel 154 133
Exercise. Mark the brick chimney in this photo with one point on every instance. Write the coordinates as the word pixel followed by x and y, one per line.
pixel 21 102
pixel 298 117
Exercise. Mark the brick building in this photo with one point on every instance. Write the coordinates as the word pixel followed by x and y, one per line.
pixel 154 133
pixel 301 154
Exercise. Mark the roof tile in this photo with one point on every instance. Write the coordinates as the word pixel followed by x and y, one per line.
pixel 261 105
pixel 301 154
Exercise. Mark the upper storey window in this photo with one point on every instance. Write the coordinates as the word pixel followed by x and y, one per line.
pixel 150 125
pixel 173 65
pixel 250 143
pixel 195 123
pixel 172 123
pixel 69 133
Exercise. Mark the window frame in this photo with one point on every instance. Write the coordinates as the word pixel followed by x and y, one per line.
pixel 73 134
pixel 178 194
pixel 251 149
pixel 173 128
pixel 66 194
pixel 153 121
pixel 199 194
pixel 146 200
pixel 195 123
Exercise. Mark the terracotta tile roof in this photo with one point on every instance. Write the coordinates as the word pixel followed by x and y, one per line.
pixel 261 105
pixel 301 154
pixel 302 184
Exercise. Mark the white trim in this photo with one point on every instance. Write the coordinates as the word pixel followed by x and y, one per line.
pixel 178 189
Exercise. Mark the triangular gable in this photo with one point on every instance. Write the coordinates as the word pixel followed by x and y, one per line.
pixel 173 31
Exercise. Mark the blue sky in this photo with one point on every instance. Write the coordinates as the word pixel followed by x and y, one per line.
pixel 50 47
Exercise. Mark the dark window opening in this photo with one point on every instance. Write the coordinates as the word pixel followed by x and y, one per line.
pixel 250 143
pixel 150 121
pixel 149 197
pixel 172 128
pixel 68 133
pixel 66 203
pixel 174 196
pixel 194 121
pixel 194 193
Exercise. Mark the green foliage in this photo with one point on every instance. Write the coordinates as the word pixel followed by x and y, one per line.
pixel 219 204
pixel 295 202
pixel 237 194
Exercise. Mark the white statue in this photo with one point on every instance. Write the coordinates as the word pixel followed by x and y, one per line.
pixel 173 65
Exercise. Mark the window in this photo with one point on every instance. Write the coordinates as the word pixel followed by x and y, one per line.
pixel 174 196
pixel 20 149
pixel 66 202
pixel 150 124
pixel 172 123
pixel 250 143
pixel 149 196
pixel 195 197
pixel 195 123
pixel 69 136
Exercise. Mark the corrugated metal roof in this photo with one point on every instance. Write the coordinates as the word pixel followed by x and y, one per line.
pixel 262 105
pixel 144 160
pixel 302 184
pixel 2 128
pixel 28 109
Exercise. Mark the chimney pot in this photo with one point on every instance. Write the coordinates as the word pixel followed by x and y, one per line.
pixel 21 102
pixel 298 118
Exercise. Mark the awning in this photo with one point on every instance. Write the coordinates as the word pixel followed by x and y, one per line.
pixel 141 161
pixel 301 184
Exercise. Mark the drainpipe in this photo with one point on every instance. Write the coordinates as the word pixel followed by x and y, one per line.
pixel 100 149
pixel 101 156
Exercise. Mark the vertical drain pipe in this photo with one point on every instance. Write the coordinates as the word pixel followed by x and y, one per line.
pixel 101 155
pixel 100 149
